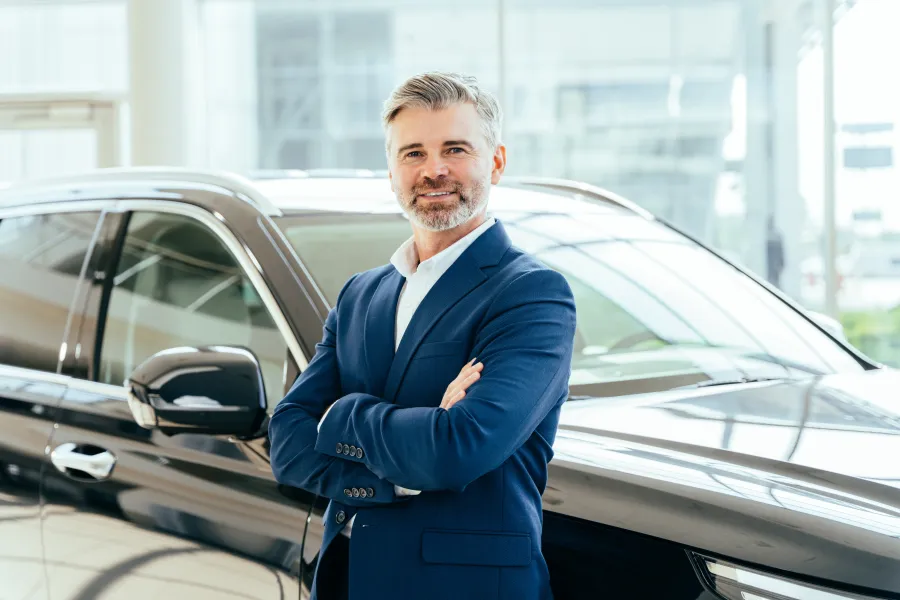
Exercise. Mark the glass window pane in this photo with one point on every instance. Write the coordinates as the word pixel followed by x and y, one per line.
pixel 46 152
pixel 63 45
pixel 178 285
pixel 40 262
pixel 583 228
pixel 777 329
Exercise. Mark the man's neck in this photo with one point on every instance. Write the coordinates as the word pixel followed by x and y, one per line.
pixel 430 243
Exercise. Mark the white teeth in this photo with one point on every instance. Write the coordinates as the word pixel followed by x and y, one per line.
pixel 438 194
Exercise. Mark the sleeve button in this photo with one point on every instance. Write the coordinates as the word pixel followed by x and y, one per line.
pixel 356 492
pixel 347 492
pixel 371 492
pixel 340 448
pixel 346 449
pixel 359 453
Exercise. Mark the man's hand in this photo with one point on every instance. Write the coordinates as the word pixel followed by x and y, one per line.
pixel 456 391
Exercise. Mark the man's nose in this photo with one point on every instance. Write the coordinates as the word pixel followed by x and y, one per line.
pixel 435 167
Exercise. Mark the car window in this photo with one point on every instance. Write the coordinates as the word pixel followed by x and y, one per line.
pixel 655 309
pixel 649 309
pixel 177 284
pixel 40 263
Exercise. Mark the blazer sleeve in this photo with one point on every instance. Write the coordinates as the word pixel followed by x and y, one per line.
pixel 526 347
pixel 292 432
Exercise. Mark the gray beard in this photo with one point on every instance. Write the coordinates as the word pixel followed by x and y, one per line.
pixel 443 219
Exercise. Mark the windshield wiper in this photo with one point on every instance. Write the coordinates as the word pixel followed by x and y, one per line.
pixel 716 382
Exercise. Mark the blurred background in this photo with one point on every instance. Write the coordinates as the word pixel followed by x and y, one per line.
pixel 767 129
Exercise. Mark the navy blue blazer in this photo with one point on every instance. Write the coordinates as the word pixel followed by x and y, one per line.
pixel 475 530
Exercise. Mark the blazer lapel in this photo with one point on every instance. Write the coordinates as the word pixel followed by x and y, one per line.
pixel 381 319
pixel 461 278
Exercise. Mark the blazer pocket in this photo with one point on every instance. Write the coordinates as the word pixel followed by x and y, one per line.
pixel 440 349
pixel 492 549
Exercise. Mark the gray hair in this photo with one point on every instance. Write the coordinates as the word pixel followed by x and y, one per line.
pixel 437 91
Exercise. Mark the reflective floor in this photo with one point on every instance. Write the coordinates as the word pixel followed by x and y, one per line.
pixel 145 564
pixel 21 570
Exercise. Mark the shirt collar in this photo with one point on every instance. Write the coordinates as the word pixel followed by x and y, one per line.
pixel 406 258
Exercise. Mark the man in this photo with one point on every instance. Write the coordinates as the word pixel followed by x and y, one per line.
pixel 442 375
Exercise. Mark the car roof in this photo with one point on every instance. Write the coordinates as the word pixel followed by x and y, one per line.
pixel 130 182
pixel 276 193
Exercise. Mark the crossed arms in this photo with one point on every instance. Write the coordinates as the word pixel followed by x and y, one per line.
pixel 525 346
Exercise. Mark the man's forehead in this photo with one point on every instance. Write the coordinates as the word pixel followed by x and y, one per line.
pixel 461 115
pixel 426 126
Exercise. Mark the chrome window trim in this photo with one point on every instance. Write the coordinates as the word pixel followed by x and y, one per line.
pixel 109 390
pixel 10 212
pixel 117 392
pixel 12 371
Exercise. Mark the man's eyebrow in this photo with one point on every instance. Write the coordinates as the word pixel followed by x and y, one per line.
pixel 459 143
pixel 408 147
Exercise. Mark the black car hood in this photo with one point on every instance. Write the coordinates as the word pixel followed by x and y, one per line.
pixel 846 424
pixel 801 476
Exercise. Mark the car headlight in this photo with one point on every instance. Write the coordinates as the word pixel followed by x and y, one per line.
pixel 736 582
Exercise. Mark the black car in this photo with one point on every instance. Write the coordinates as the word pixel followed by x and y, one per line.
pixel 719 441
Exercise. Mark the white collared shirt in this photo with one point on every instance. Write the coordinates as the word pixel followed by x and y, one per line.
pixel 421 277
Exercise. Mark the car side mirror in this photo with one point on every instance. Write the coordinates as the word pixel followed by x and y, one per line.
pixel 208 390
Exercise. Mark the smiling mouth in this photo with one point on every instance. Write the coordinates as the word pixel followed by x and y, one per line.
pixel 436 195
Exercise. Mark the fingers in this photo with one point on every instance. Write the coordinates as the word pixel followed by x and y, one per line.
pixel 472 378
pixel 451 400
pixel 456 391
pixel 467 371
pixel 464 379
pixel 471 365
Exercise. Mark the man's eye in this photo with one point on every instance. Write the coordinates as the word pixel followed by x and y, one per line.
pixel 413 154
pixel 455 149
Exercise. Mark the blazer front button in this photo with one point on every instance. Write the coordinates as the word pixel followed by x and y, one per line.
pixel 340 448
pixel 359 453
pixel 356 492
pixel 346 449
pixel 371 492
pixel 340 517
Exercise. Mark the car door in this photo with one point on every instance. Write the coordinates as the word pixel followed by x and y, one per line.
pixel 136 513
pixel 41 259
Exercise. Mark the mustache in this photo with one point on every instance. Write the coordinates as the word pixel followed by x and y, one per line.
pixel 430 185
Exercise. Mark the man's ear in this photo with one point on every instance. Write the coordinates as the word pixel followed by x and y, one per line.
pixel 499 164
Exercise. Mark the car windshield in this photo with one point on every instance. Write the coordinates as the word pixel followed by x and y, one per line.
pixel 655 310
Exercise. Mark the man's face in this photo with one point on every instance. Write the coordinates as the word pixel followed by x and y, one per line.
pixel 441 165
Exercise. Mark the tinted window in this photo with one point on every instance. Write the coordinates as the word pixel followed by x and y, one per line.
pixel 655 310
pixel 40 261
pixel 177 284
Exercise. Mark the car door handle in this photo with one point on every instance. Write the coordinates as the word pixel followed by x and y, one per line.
pixel 98 465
